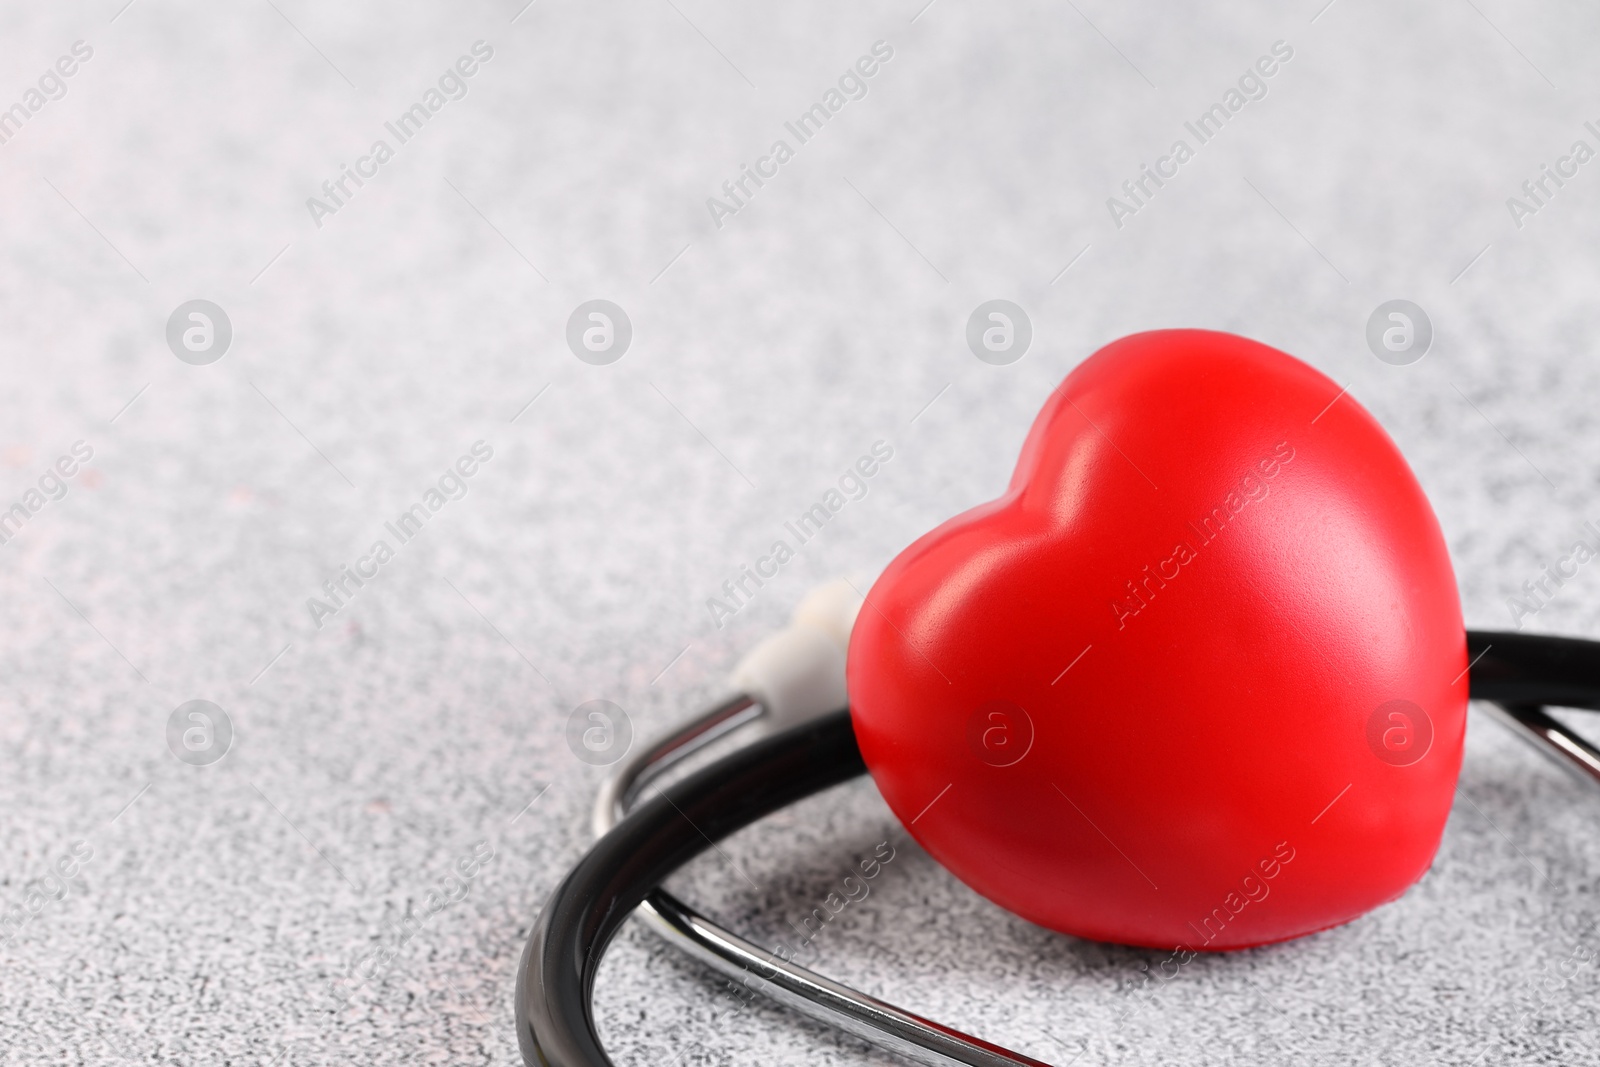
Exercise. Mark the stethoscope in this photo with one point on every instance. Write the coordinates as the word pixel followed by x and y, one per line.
pixel 790 698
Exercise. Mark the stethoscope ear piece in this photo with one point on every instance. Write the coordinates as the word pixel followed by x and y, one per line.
pixel 797 673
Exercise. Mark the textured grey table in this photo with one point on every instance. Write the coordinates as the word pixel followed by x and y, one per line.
pixel 223 912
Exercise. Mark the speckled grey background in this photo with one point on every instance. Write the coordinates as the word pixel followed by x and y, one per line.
pixel 222 905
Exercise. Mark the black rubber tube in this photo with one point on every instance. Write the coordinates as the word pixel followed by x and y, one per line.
pixel 555 1024
pixel 1510 668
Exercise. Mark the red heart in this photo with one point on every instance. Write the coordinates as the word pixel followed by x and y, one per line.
pixel 1197 679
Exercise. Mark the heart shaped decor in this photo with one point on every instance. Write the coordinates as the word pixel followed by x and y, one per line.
pixel 1197 680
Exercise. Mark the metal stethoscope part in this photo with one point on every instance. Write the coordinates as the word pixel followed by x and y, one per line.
pixel 1551 739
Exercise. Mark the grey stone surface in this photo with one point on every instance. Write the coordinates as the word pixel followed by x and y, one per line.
pixel 221 906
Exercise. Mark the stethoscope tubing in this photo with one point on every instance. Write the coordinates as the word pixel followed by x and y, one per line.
pixel 555 1024
pixel 1518 673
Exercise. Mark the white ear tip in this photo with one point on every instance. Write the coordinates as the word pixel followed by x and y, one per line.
pixel 832 608
pixel 798 672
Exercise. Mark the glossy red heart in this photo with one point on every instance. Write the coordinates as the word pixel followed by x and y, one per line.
pixel 1197 679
